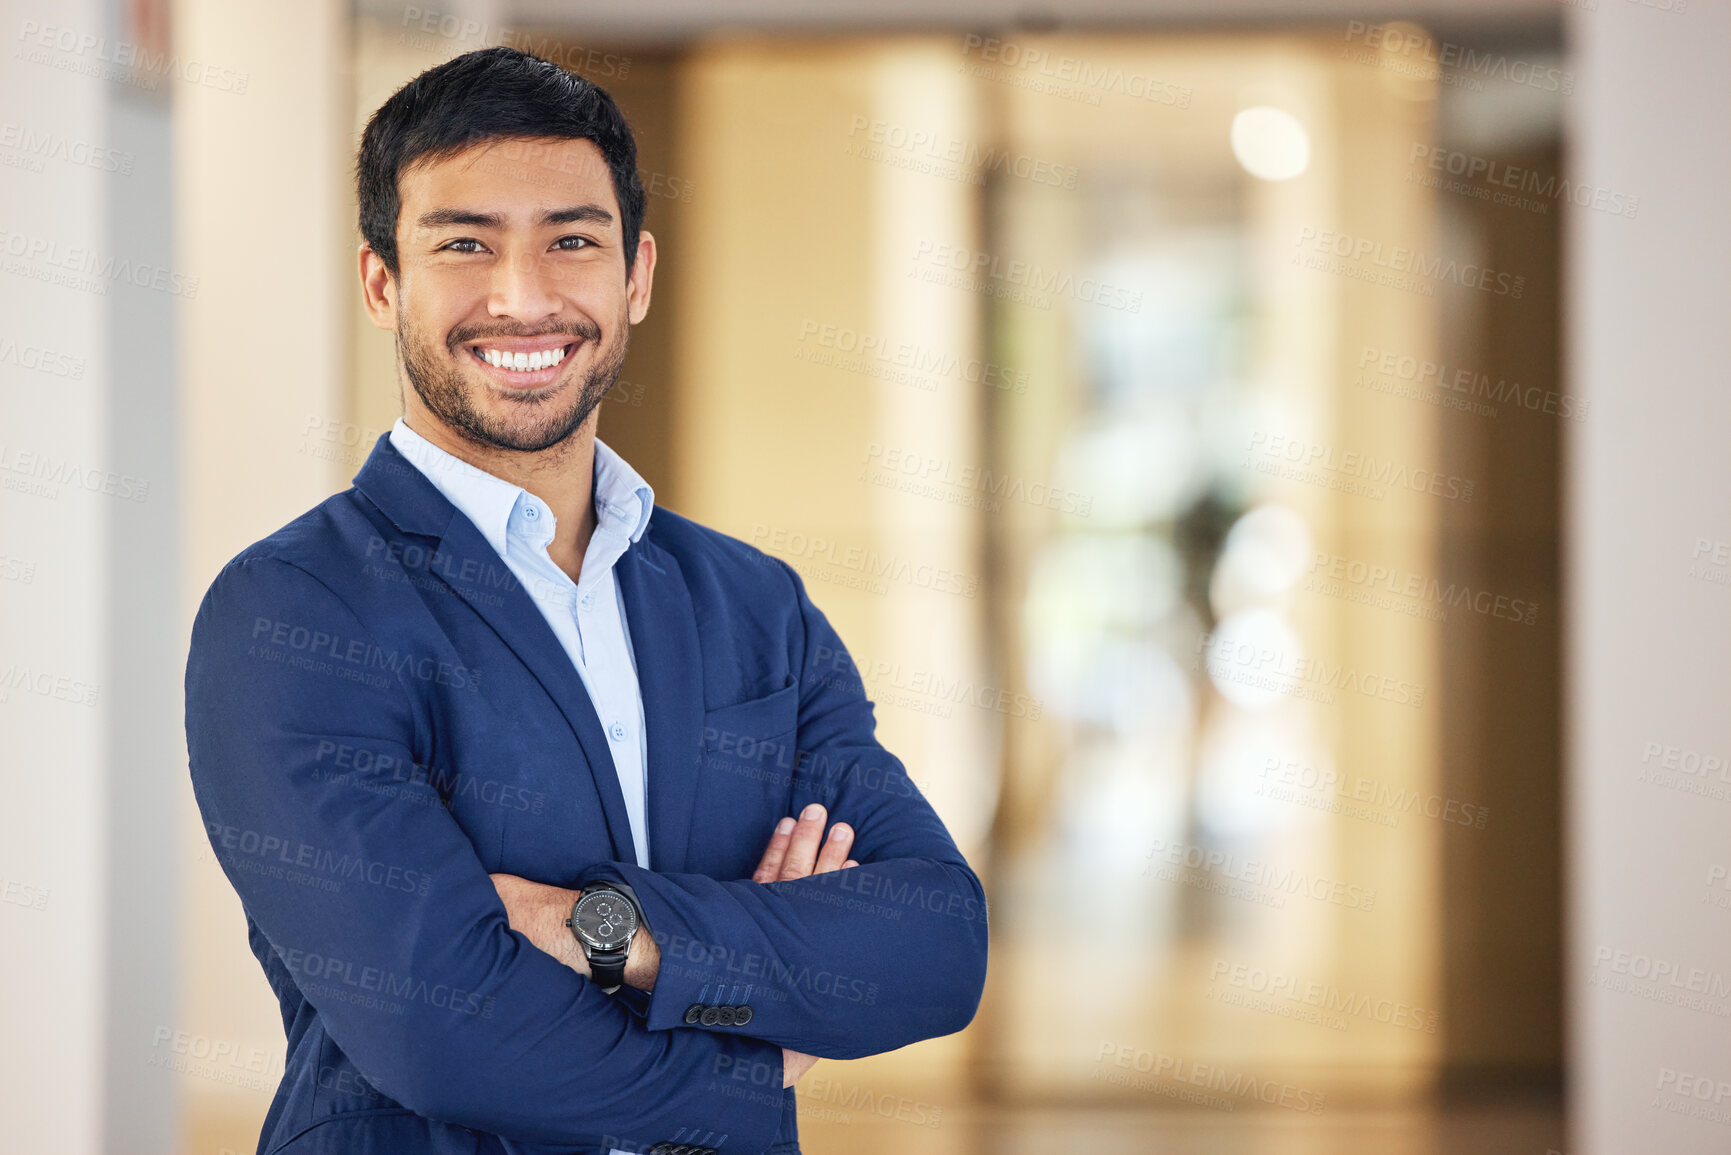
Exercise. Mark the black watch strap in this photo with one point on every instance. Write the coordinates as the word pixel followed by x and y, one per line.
pixel 607 969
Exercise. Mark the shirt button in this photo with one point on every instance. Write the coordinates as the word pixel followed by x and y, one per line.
pixel 588 600
pixel 531 512
pixel 618 732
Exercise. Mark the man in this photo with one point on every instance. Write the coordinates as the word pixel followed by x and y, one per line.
pixel 504 762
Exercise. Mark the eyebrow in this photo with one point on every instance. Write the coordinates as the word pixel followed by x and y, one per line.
pixel 575 214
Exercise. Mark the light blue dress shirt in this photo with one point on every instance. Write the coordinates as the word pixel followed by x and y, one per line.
pixel 588 615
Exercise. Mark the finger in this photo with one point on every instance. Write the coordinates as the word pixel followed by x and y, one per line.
pixel 802 847
pixel 849 864
pixel 769 869
pixel 835 849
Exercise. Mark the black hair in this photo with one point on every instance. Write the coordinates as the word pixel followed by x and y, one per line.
pixel 489 94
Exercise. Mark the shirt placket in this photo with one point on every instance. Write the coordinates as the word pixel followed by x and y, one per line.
pixel 534 535
pixel 592 631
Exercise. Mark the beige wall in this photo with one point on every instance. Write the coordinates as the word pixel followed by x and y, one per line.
pixel 808 242
pixel 805 247
pixel 261 207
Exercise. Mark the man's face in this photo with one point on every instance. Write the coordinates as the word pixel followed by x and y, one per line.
pixel 510 254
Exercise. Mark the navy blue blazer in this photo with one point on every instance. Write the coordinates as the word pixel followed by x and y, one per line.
pixel 378 717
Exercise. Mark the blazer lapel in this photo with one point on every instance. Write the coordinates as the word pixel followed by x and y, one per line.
pixel 663 626
pixel 465 561
pixel 517 620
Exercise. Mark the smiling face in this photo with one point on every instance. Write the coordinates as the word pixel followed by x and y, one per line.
pixel 511 302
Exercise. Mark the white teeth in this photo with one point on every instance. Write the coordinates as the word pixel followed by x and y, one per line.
pixel 525 362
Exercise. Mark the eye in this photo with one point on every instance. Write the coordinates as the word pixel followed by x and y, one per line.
pixel 573 243
pixel 457 246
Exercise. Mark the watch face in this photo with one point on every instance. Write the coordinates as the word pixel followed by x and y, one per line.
pixel 605 919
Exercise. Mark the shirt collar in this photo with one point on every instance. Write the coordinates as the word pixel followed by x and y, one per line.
pixel 623 500
pixel 621 494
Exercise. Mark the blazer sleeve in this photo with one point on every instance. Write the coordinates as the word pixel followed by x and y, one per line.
pixel 396 936
pixel 840 965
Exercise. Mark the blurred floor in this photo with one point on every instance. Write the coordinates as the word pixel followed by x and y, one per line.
pixel 1525 1128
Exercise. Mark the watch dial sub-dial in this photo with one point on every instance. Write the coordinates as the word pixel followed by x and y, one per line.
pixel 606 920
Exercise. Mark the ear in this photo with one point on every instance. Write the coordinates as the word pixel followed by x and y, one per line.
pixel 378 289
pixel 641 277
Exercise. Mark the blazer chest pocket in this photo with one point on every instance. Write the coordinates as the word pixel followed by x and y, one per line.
pixel 748 748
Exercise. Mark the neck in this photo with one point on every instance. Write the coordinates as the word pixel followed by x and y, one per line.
pixel 561 475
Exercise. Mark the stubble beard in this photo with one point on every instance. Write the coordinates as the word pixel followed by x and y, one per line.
pixel 536 421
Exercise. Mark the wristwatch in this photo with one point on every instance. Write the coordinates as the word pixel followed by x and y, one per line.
pixel 603 920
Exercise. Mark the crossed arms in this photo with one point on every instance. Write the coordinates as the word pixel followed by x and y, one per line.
pixel 533 1051
pixel 538 911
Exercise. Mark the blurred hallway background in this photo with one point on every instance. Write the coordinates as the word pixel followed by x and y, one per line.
pixel 1256 453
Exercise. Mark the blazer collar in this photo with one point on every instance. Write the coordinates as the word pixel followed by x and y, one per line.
pixel 402 492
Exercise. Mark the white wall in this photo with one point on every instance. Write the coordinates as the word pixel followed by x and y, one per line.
pixel 89 557
pixel 52 861
pixel 1649 661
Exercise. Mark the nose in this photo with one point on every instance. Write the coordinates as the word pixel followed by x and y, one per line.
pixel 525 286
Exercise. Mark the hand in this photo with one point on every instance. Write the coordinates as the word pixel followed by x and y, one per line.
pixel 793 853
pixel 793 1065
pixel 793 848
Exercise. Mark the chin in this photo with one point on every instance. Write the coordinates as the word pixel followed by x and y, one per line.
pixel 516 422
